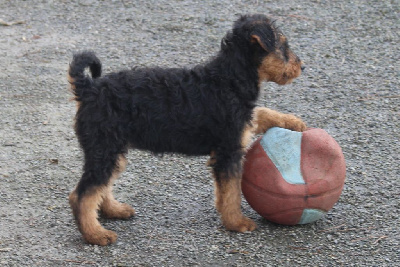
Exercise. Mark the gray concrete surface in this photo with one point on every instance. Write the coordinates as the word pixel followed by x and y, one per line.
pixel 350 89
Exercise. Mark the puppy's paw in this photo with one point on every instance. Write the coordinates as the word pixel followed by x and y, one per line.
pixel 241 225
pixel 101 237
pixel 117 210
pixel 294 123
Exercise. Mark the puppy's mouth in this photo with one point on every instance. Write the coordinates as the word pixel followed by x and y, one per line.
pixel 288 77
pixel 284 82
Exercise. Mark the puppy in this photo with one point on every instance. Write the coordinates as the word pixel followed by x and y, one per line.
pixel 205 110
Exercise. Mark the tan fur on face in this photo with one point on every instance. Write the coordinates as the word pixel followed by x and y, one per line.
pixel 273 68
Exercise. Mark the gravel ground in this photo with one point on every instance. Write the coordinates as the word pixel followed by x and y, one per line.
pixel 350 89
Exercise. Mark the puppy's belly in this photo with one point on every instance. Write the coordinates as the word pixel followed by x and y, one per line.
pixel 172 141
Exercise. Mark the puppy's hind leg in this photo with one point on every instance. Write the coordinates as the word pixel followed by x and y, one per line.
pixel 110 207
pixel 101 162
pixel 84 207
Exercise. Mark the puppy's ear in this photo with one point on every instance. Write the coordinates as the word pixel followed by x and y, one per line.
pixel 265 40
pixel 257 39
pixel 226 41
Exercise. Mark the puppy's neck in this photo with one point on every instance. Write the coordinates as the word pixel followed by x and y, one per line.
pixel 235 72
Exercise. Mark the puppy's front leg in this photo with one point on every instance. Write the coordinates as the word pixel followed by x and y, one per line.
pixel 265 118
pixel 227 202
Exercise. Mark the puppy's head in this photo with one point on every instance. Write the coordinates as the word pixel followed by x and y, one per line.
pixel 268 48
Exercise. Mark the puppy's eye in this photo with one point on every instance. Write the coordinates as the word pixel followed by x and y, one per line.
pixel 284 48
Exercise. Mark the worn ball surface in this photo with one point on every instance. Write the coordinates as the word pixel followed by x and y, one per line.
pixel 293 177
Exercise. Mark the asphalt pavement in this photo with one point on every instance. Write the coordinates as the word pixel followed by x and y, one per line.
pixel 350 88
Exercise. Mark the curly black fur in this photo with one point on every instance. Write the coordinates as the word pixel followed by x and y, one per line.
pixel 190 111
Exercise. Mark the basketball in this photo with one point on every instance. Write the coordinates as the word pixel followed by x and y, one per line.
pixel 293 177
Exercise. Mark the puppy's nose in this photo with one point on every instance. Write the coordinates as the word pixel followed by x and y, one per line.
pixel 302 67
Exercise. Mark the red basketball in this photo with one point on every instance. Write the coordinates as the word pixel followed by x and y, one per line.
pixel 292 177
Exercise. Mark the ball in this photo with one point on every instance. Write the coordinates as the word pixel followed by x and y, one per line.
pixel 293 177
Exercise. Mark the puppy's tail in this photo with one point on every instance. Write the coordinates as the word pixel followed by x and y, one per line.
pixel 76 74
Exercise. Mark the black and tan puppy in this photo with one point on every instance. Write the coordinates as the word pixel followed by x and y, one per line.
pixel 205 110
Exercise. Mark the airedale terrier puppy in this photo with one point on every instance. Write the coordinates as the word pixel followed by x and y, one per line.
pixel 205 110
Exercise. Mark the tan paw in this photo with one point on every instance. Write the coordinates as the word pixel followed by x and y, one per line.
pixel 242 225
pixel 118 211
pixel 294 123
pixel 101 237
